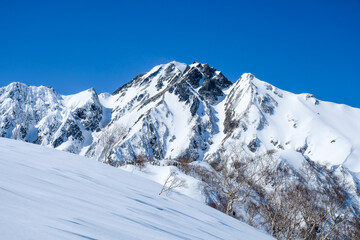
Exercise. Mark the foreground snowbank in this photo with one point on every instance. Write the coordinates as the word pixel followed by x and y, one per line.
pixel 49 194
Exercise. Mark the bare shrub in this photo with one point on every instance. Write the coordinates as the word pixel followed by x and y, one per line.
pixel 172 163
pixel 173 181
pixel 140 161
pixel 184 164
pixel 214 165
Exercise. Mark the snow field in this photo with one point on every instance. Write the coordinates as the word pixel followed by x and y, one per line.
pixel 49 194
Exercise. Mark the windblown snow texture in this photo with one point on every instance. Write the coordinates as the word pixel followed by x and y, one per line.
pixel 49 194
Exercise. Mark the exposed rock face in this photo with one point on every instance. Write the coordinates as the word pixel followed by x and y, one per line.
pixel 169 112
pixel 90 114
pixel 40 115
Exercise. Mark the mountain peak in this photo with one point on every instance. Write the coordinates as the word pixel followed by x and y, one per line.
pixel 16 84
pixel 180 66
pixel 247 77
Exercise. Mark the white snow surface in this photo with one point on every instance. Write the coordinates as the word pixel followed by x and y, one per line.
pixel 78 100
pixel 326 132
pixel 49 194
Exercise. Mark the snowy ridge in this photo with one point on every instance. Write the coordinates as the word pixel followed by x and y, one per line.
pixel 48 194
pixel 40 115
pixel 322 131
pixel 178 110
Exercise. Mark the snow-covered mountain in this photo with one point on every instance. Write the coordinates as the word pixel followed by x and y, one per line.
pixel 184 110
pixel 48 194
pixel 194 112
pixel 42 116
pixel 168 112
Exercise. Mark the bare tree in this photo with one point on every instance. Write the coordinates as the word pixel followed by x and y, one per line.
pixel 173 181
pixel 237 176
pixel 140 161
pixel 280 210
pixel 307 203
pixel 308 206
pixel 325 208
pixel 111 135
pixel 251 212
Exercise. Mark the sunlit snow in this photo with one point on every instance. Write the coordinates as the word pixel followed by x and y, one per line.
pixel 49 194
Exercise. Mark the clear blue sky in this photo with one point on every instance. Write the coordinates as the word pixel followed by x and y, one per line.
pixel 299 46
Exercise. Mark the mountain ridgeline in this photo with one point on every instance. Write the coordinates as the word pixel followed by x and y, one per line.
pixel 178 110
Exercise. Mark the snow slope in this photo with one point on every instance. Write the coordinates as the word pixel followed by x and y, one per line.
pixel 49 194
pixel 266 117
